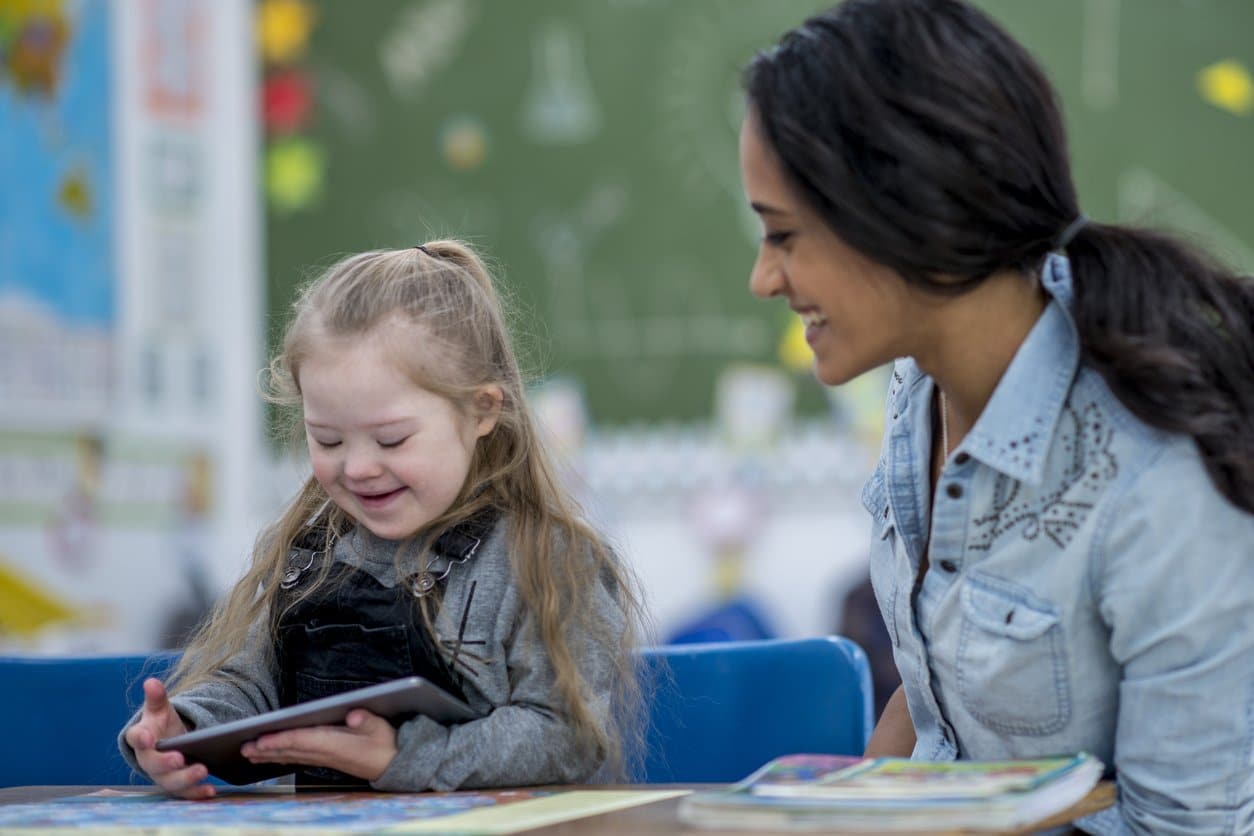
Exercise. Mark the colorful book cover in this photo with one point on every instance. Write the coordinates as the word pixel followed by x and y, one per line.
pixel 895 795
pixel 906 779
pixel 797 770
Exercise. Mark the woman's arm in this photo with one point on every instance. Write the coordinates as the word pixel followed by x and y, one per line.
pixel 894 733
pixel 1174 580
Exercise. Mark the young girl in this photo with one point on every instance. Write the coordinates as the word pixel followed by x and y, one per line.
pixel 1063 536
pixel 433 539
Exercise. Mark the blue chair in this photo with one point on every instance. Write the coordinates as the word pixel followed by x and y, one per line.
pixel 60 716
pixel 738 619
pixel 721 710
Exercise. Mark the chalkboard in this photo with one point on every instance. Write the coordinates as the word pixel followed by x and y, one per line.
pixel 589 148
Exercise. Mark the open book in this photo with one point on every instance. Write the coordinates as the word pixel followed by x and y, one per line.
pixel 818 792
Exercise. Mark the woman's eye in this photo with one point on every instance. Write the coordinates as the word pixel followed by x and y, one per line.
pixel 776 239
pixel 326 445
pixel 390 444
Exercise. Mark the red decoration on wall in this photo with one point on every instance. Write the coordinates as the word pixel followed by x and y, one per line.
pixel 286 100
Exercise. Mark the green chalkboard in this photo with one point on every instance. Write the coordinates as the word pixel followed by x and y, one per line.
pixel 589 148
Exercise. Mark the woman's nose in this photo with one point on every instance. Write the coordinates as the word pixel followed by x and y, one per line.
pixel 766 279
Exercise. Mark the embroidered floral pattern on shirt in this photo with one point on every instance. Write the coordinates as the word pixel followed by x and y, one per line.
pixel 1087 466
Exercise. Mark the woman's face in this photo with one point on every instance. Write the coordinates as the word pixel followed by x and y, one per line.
pixel 858 314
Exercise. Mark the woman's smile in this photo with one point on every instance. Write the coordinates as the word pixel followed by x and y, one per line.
pixel 814 322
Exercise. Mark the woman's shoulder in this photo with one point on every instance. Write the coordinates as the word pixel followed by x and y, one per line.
pixel 1143 453
pixel 1160 478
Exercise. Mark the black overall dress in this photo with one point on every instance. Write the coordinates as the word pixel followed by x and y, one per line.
pixel 352 631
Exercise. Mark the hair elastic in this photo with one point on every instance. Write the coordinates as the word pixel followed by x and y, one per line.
pixel 1069 234
pixel 423 247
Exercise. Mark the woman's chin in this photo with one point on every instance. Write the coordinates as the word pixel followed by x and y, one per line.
pixel 834 375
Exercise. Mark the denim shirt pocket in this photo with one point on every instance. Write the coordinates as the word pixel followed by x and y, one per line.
pixel 1012 659
pixel 883 557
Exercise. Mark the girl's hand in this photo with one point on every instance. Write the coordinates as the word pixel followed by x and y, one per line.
pixel 363 747
pixel 167 770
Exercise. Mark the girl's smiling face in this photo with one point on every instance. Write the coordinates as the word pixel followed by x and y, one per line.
pixel 857 313
pixel 391 454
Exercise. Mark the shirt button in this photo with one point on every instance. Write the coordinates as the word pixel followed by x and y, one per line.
pixel 954 490
pixel 949 566
pixel 961 458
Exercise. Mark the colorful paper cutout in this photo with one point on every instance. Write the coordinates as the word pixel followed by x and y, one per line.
pixel 1227 85
pixel 283 28
pixel 295 169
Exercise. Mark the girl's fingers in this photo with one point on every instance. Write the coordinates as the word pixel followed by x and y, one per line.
pixel 138 737
pixel 186 782
pixel 171 761
pixel 155 697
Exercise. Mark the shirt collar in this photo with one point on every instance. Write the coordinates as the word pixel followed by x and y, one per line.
pixel 1013 432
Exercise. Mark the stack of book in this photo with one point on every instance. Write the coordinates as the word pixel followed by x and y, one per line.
pixel 896 795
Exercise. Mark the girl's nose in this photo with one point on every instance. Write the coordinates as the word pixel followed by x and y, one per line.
pixel 361 464
pixel 766 279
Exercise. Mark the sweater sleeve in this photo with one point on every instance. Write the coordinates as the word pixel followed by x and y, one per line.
pixel 245 686
pixel 527 740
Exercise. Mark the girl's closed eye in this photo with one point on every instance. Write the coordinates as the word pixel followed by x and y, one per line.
pixel 776 239
pixel 326 445
pixel 389 444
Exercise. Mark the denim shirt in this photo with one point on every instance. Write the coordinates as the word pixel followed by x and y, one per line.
pixel 1088 588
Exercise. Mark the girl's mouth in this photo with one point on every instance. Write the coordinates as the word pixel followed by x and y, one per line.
pixel 374 501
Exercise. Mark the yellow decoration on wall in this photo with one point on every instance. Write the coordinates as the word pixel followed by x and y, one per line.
pixel 29 8
pixel 283 28
pixel 1227 85
pixel 74 194
pixel 25 608
pixel 794 351
pixel 33 38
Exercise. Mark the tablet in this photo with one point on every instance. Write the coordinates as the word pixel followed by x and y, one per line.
pixel 217 747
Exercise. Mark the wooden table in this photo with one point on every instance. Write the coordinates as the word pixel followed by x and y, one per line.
pixel 654 819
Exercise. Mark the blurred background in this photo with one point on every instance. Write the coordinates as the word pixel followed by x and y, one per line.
pixel 171 170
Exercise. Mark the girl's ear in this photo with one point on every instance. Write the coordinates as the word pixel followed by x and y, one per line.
pixel 487 402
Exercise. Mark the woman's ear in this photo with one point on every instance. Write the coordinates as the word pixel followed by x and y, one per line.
pixel 487 404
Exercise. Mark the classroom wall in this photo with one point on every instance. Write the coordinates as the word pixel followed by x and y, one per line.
pixel 174 168
pixel 130 303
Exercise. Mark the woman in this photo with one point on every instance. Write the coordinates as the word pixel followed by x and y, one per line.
pixel 1063 536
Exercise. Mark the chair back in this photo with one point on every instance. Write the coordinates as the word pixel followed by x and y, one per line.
pixel 721 710
pixel 60 716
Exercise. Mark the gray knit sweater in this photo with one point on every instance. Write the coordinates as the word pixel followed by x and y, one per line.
pixel 522 737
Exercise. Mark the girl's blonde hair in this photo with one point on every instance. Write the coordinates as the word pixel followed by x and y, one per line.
pixel 457 345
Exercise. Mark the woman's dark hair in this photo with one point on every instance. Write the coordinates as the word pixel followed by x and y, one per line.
pixel 928 139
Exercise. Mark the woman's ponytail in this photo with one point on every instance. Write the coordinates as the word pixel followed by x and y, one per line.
pixel 1171 332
